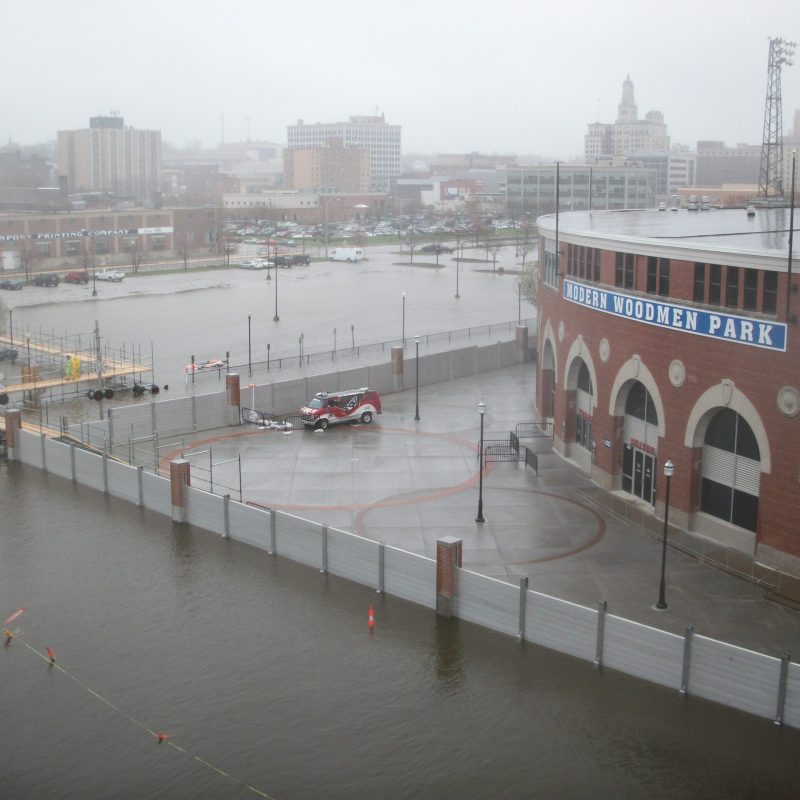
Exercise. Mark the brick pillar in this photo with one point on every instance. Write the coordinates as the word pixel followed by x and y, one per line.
pixel 397 368
pixel 522 343
pixel 448 557
pixel 13 425
pixel 179 477
pixel 232 387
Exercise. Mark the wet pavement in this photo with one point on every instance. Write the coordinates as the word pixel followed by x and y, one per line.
pixel 407 483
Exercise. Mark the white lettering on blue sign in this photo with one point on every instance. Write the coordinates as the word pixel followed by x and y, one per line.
pixel 731 328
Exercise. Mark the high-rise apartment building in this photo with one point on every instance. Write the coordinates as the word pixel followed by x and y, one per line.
pixel 628 134
pixel 382 141
pixel 108 157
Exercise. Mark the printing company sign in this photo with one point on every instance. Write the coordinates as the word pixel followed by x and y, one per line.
pixel 15 237
pixel 731 328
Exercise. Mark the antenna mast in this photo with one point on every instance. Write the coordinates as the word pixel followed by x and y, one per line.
pixel 770 182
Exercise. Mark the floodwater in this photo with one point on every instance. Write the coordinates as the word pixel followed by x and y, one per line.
pixel 268 682
pixel 330 304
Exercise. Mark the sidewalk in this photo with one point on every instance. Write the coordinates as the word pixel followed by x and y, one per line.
pixel 407 483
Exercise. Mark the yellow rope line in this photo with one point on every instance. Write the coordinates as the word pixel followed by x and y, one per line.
pixel 53 665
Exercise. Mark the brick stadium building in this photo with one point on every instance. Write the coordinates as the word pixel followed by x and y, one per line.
pixel 674 336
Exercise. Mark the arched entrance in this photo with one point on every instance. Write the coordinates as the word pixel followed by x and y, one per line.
pixel 640 449
pixel 731 470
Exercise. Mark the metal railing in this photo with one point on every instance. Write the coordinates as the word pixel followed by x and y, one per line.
pixel 303 359
pixel 495 450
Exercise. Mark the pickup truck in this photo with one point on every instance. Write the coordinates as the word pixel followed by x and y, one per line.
pixel 115 275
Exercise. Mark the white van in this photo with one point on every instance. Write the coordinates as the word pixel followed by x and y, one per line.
pixel 346 254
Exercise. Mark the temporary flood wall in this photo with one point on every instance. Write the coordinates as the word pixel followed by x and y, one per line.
pixel 202 412
pixel 762 685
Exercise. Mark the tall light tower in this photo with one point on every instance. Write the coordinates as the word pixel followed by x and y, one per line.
pixel 770 182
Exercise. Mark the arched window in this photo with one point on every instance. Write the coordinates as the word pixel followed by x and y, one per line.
pixel 584 403
pixel 639 404
pixel 731 470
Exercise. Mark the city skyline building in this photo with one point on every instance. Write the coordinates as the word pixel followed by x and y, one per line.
pixel 629 133
pixel 382 141
pixel 332 167
pixel 532 189
pixel 108 157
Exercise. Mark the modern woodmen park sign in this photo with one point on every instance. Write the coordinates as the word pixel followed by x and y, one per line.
pixel 729 327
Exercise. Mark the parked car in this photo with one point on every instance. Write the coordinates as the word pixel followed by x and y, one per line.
pixel 115 275
pixel 77 276
pixel 45 279
pixel 435 248
pixel 12 284
pixel 255 263
pixel 329 408
pixel 293 260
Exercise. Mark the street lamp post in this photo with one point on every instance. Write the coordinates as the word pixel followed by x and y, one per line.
pixel 669 469
pixel 457 294
pixel 276 317
pixel 249 348
pixel 404 321
pixel 519 302
pixel 94 277
pixel 479 518
pixel 416 360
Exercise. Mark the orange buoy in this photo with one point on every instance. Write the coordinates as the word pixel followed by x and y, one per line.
pixel 371 618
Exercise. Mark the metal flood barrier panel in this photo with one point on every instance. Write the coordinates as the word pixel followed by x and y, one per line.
pixel 123 481
pixel 299 539
pixel 560 625
pixel 58 457
pixel 156 493
pixel 351 379
pixel 410 577
pixel 643 651
pixel 733 676
pixel 289 395
pixel 351 557
pixel 487 601
pixel 130 422
pixel 171 417
pixel 205 510
pixel 89 469
pixel 214 411
pixel 250 525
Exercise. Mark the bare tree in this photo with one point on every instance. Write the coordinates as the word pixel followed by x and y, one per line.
pixel 493 249
pixel 28 257
pixel 527 244
pixel 529 284
pixel 183 249
pixel 411 243
pixel 134 250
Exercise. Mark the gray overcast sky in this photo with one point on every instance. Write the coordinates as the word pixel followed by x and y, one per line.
pixel 499 77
